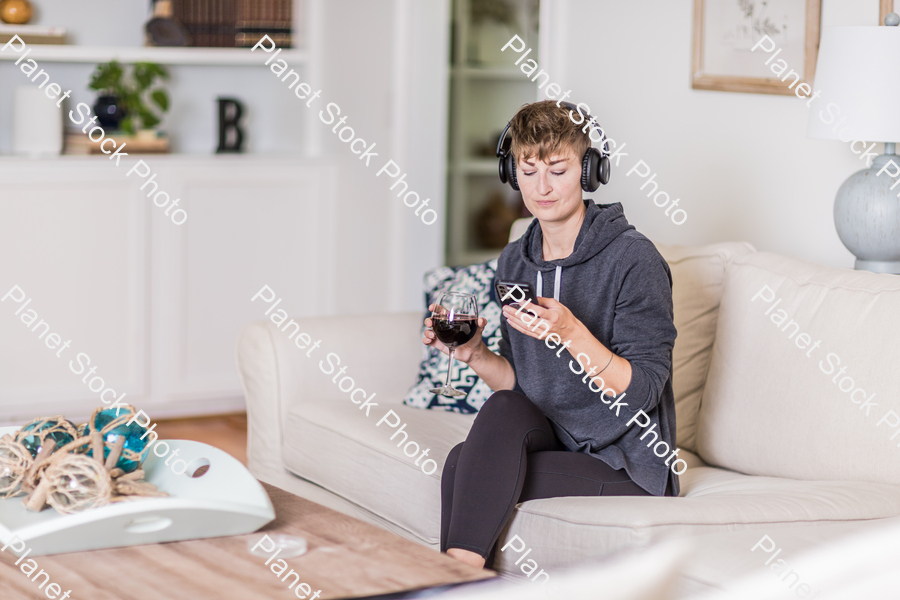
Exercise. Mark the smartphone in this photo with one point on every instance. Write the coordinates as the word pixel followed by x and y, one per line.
pixel 514 293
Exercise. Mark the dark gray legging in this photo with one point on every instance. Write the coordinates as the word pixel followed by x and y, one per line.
pixel 512 455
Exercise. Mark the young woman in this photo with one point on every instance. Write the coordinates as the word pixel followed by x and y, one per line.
pixel 606 294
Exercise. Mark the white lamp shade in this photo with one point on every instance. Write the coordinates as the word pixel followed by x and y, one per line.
pixel 858 72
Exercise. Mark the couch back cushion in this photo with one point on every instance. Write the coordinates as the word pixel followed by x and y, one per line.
pixel 698 277
pixel 803 379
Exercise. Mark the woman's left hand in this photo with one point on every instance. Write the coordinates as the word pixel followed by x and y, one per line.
pixel 560 319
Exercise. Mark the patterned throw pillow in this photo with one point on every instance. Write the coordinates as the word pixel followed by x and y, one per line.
pixel 478 280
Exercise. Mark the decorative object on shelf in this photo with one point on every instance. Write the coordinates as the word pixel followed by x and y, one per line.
pixel 75 468
pixel 493 24
pixel 162 29
pixel 726 30
pixel 15 12
pixel 854 70
pixel 37 123
pixel 231 136
pixel 131 110
pixel 487 148
pixel 492 222
pixel 109 111
pixel 33 34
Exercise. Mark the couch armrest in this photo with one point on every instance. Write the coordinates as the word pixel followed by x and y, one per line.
pixel 381 353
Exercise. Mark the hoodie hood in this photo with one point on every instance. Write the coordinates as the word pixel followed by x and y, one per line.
pixel 602 224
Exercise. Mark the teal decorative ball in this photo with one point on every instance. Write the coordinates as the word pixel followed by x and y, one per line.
pixel 135 450
pixel 33 435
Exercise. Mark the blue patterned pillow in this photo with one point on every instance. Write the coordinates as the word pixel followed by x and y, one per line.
pixel 478 280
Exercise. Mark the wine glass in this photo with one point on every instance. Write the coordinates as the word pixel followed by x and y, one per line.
pixel 454 321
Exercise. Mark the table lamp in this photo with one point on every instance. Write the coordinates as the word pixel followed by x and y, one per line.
pixel 858 73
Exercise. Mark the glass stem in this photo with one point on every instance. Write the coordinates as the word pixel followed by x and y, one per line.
pixel 449 369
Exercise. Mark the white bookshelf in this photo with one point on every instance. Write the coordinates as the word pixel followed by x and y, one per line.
pixel 483 97
pixel 98 32
pixel 501 73
pixel 481 166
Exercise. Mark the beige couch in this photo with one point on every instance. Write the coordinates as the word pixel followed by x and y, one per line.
pixel 774 445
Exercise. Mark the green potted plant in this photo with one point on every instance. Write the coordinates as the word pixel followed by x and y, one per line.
pixel 129 101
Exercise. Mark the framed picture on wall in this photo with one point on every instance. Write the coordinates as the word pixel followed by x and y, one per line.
pixel 887 6
pixel 725 31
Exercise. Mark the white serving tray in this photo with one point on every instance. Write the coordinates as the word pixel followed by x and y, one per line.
pixel 226 500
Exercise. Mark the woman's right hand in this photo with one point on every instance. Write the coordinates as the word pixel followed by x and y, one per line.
pixel 462 353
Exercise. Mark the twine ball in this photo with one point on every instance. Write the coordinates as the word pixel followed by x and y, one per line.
pixel 135 450
pixel 15 460
pixel 34 434
pixel 77 483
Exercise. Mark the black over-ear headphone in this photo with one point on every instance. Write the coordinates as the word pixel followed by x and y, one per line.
pixel 594 164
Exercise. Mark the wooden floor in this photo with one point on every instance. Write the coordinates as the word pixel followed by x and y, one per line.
pixel 226 432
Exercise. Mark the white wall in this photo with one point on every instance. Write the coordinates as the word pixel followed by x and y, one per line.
pixel 420 112
pixel 386 69
pixel 740 163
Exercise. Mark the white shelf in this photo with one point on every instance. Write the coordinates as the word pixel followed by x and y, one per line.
pixel 472 257
pixel 483 166
pixel 502 73
pixel 179 158
pixel 167 56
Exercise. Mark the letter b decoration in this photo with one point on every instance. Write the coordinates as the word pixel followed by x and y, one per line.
pixel 231 136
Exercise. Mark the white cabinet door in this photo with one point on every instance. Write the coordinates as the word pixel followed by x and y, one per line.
pixel 252 222
pixel 155 306
pixel 73 238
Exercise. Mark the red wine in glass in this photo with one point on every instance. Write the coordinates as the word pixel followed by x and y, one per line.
pixel 454 321
pixel 456 332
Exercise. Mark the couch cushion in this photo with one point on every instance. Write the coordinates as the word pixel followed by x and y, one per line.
pixel 333 443
pixel 567 530
pixel 474 279
pixel 698 276
pixel 773 408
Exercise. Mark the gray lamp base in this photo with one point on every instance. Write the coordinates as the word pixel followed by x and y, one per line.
pixel 867 216
pixel 878 266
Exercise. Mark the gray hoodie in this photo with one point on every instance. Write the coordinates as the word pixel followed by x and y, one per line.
pixel 620 287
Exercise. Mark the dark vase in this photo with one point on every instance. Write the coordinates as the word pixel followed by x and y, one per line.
pixel 109 112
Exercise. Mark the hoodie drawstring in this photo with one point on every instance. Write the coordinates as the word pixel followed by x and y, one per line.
pixel 556 284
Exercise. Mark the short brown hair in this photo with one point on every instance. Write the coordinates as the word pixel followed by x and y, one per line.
pixel 543 129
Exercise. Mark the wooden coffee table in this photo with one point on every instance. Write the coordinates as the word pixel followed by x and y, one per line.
pixel 347 558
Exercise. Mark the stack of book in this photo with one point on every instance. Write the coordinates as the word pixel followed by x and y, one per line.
pixel 33 34
pixel 256 18
pixel 235 23
pixel 77 142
